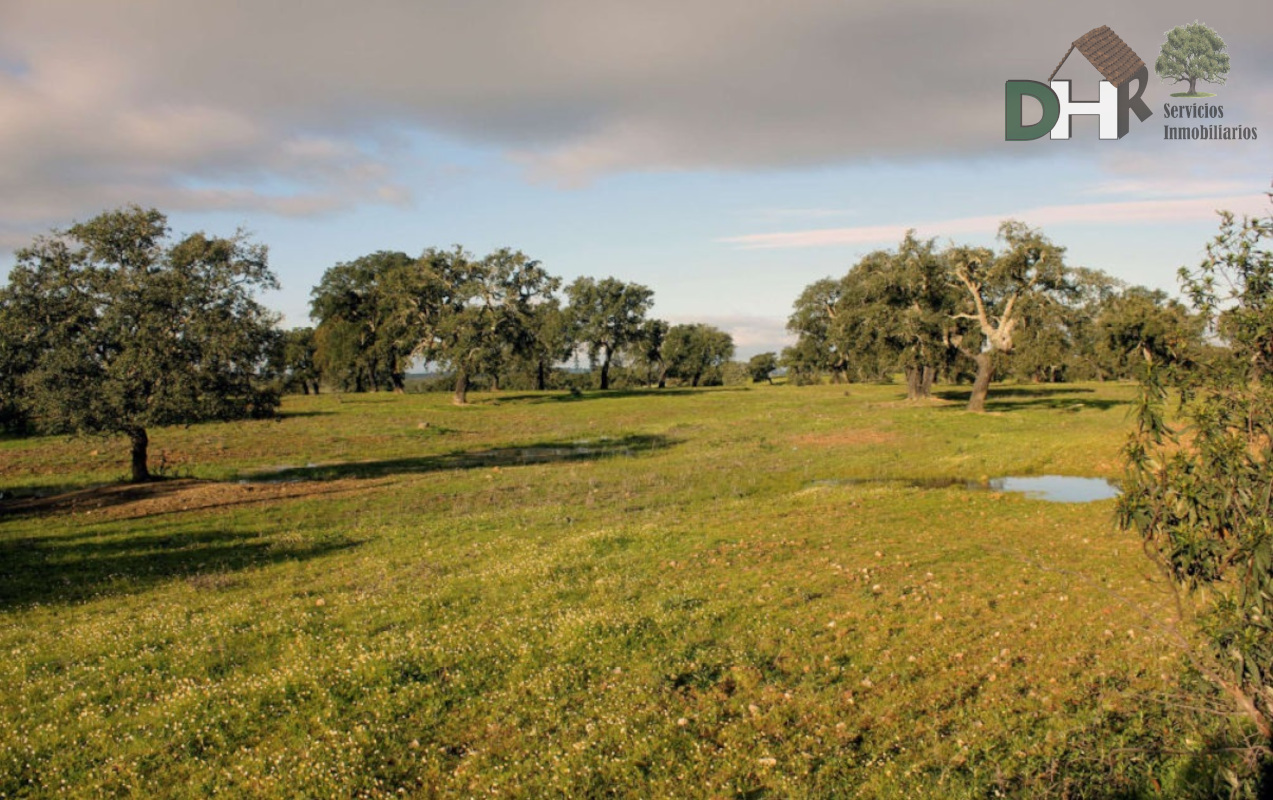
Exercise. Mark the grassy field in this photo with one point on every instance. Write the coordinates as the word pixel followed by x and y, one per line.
pixel 675 593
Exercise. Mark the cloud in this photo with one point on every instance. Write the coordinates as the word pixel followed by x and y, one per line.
pixel 1115 213
pixel 205 103
pixel 1174 186
pixel 752 333
pixel 80 135
pixel 10 241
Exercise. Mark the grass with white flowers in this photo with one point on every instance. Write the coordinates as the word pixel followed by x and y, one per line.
pixel 643 594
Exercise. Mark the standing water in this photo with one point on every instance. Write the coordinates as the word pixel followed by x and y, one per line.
pixel 1057 488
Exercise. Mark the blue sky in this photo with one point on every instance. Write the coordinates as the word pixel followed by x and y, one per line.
pixel 725 158
pixel 673 231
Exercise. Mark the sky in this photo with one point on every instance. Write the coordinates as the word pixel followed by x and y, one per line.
pixel 725 153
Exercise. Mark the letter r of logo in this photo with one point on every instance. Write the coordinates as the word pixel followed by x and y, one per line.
pixel 1132 102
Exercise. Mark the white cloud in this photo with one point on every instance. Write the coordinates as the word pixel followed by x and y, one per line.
pixel 1114 213
pixel 1173 186
pixel 115 99
pixel 752 333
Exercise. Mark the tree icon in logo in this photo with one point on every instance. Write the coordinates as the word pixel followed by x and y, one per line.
pixel 1192 53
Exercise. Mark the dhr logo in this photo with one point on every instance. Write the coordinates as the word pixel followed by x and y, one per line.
pixel 1119 65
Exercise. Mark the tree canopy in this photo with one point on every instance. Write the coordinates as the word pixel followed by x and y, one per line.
pixel 761 367
pixel 689 351
pixel 606 316
pixel 998 287
pixel 487 312
pixel 1200 491
pixel 497 317
pixel 366 329
pixel 1192 53
pixel 647 351
pixel 896 310
pixel 816 349
pixel 918 310
pixel 121 330
pixel 295 362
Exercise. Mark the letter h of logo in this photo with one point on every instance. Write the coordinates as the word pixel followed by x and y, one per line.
pixel 1106 108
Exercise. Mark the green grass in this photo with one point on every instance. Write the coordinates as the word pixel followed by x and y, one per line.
pixel 1193 94
pixel 638 594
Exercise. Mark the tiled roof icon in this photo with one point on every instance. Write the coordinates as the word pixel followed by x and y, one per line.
pixel 1111 56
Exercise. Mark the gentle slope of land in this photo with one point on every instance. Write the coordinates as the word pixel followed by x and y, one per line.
pixel 647 594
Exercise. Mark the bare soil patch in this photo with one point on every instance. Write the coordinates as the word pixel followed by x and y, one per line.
pixel 134 500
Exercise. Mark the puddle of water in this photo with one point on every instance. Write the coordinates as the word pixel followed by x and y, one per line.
pixel 1052 488
pixel 1058 488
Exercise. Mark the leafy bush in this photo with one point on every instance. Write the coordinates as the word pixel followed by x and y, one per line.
pixel 1200 493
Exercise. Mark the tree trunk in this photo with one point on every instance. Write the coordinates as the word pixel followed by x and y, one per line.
pixel 695 380
pixel 461 388
pixel 919 382
pixel 981 386
pixel 1192 83
pixel 140 442
pixel 662 377
pixel 541 377
pixel 399 382
pixel 605 371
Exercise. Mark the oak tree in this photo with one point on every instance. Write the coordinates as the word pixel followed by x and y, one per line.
pixel 997 289
pixel 761 367
pixel 366 326
pixel 127 330
pixel 481 313
pixel 895 310
pixel 607 315
pixel 1192 53
pixel 812 319
pixel 690 351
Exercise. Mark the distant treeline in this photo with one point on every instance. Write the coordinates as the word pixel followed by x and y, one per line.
pixel 971 314
pixel 500 321
pixel 111 326
pixel 959 314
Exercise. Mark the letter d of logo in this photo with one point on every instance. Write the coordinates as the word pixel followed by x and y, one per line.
pixel 1014 92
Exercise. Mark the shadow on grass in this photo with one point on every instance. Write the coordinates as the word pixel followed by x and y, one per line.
pixel 41 500
pixel 281 415
pixel 548 452
pixel 157 497
pixel 14 498
pixel 56 568
pixel 1009 398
